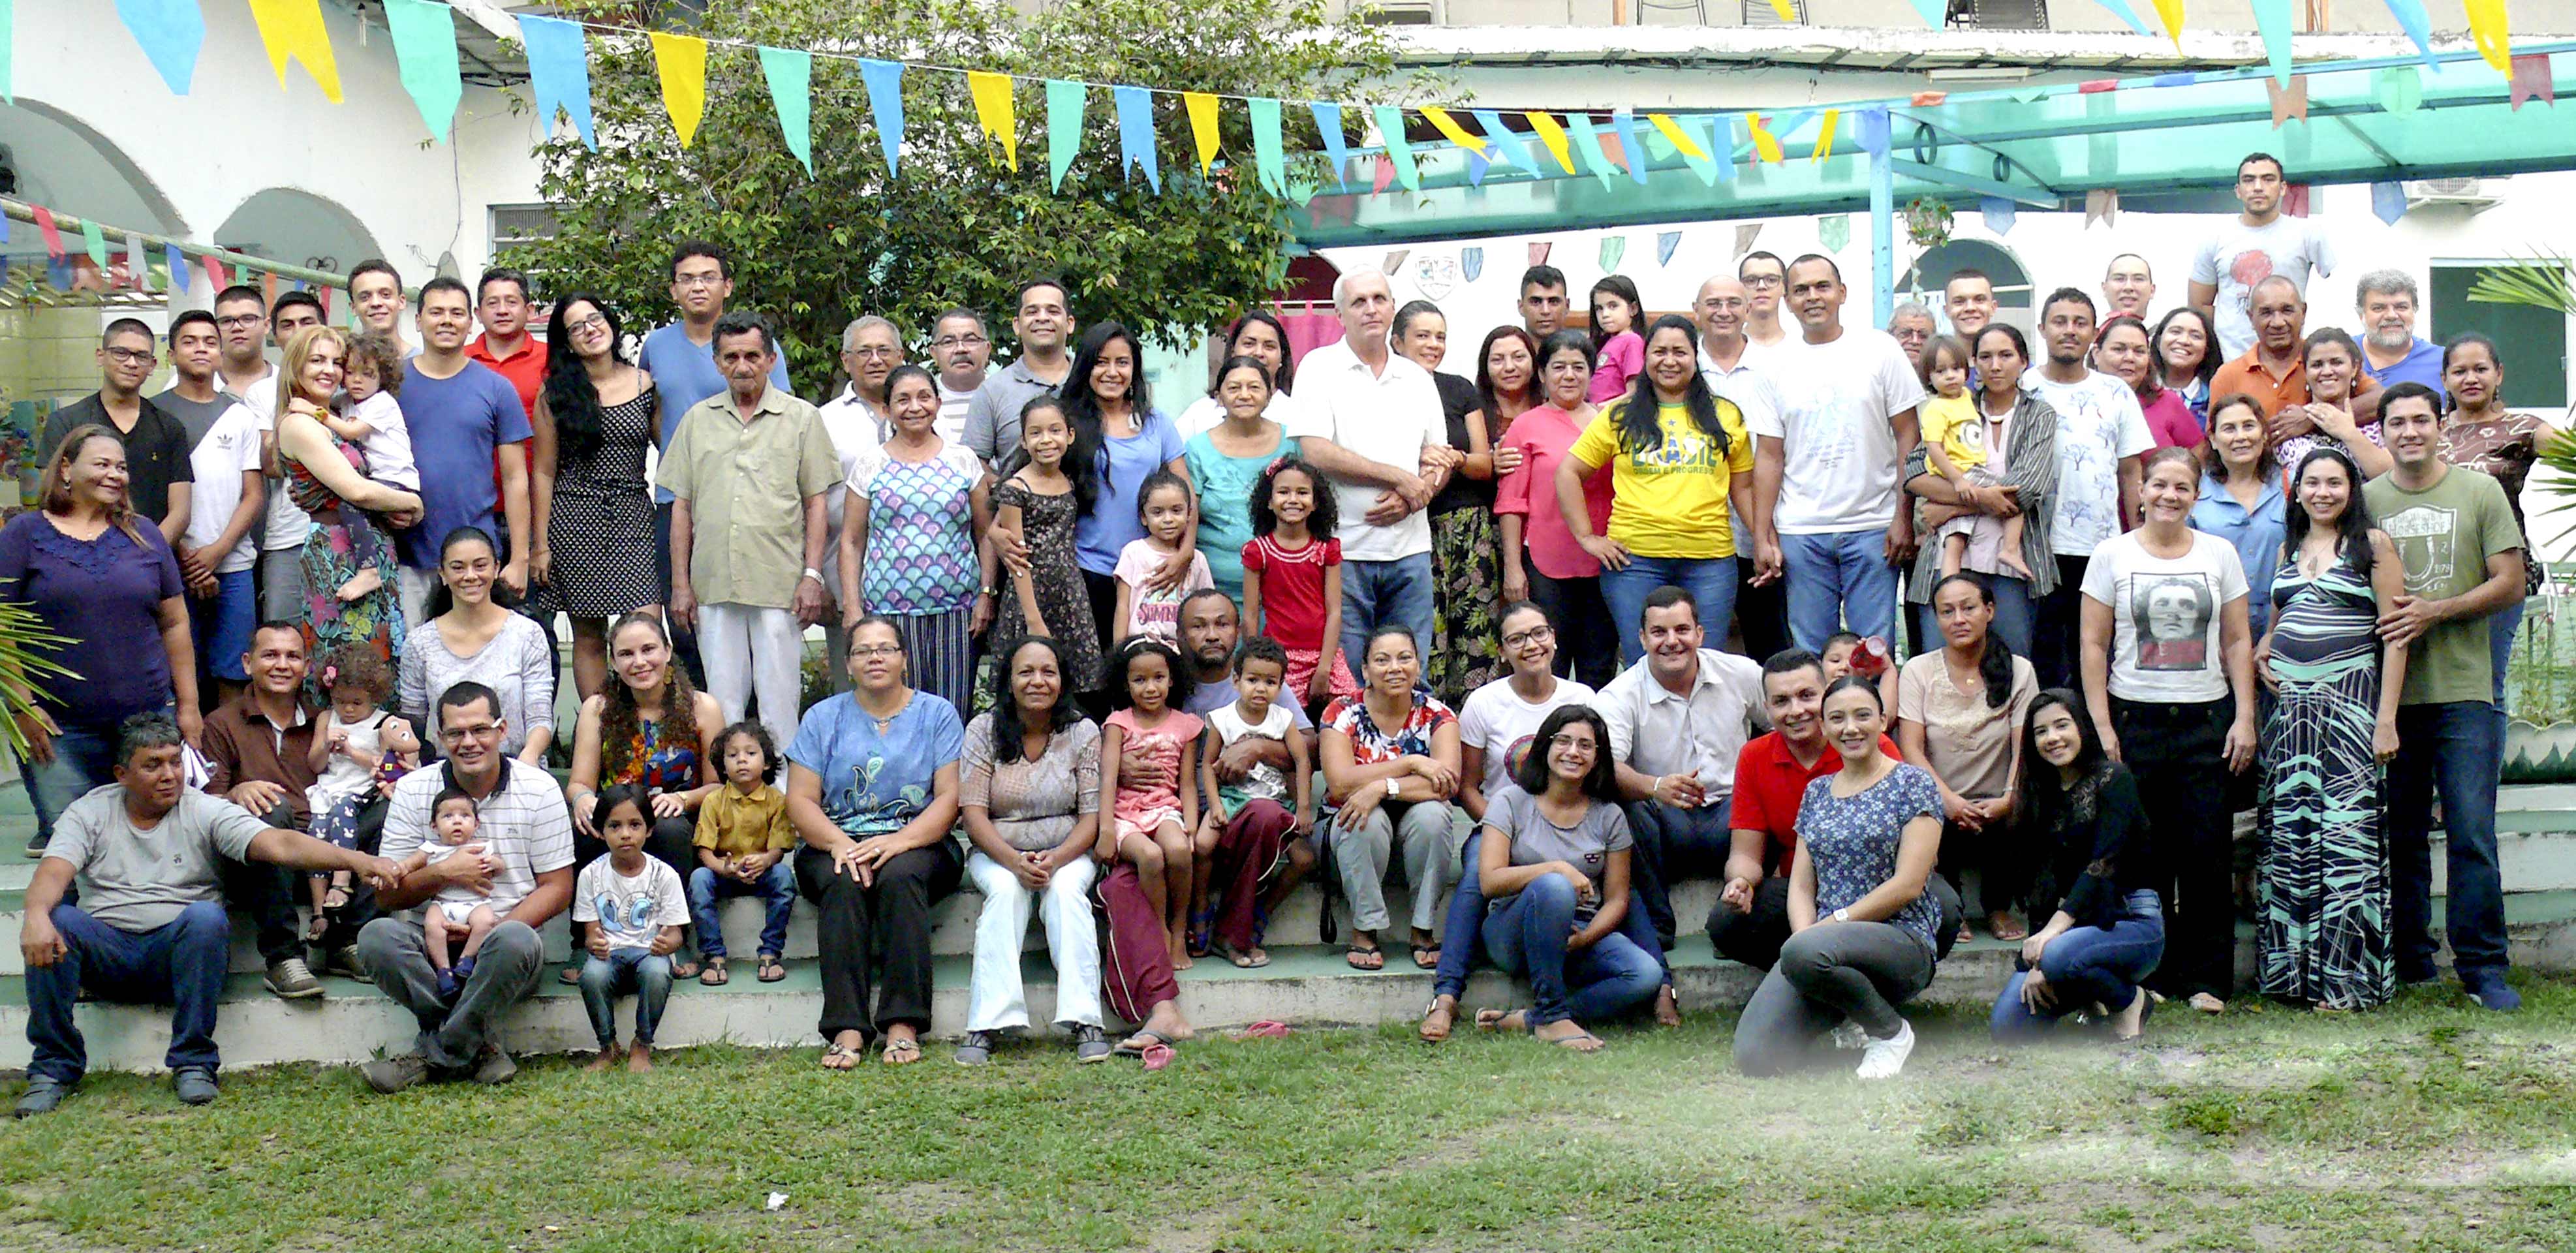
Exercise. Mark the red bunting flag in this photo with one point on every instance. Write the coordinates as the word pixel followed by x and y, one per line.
pixel 2532 81
pixel 2289 104
pixel 53 237
pixel 2093 86
pixel 216 279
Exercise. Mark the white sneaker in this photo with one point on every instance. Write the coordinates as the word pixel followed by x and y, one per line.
pixel 1881 1059
pixel 1849 1036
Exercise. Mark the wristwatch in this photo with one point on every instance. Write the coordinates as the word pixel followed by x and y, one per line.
pixel 1842 915
pixel 814 574
pixel 1391 789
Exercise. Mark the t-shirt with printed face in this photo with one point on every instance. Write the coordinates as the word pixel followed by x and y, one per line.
pixel 2239 256
pixel 2444 534
pixel 630 909
pixel 2165 616
pixel 1585 845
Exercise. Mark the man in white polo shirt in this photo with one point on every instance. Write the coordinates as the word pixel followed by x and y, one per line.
pixel 1384 414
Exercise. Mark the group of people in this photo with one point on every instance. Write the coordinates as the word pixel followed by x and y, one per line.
pixel 1313 625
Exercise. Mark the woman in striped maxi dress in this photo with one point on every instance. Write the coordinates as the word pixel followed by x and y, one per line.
pixel 2324 922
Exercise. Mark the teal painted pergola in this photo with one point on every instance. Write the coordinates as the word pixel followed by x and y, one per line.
pixel 2040 146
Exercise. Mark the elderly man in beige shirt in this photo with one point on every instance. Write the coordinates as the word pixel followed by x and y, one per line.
pixel 748 472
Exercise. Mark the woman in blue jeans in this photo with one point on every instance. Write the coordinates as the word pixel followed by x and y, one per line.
pixel 1554 871
pixel 1681 488
pixel 2088 835
pixel 105 581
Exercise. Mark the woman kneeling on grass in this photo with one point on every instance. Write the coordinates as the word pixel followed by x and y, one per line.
pixel 2086 831
pixel 1554 866
pixel 1862 929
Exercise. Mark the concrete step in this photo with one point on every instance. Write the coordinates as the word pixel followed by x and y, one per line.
pixel 1309 986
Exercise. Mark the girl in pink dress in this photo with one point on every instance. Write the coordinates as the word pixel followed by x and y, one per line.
pixel 1149 749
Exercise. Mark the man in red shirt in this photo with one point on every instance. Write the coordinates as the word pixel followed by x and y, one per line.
pixel 1751 920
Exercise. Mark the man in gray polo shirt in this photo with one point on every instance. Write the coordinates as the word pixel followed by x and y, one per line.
pixel 150 926
pixel 1044 323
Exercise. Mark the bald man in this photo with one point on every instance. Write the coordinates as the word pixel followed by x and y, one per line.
pixel 2128 287
pixel 1724 304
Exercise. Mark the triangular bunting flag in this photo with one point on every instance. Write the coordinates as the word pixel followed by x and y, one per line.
pixel 1786 12
pixel 1328 128
pixel 52 234
pixel 884 81
pixel 1998 213
pixel 2487 27
pixel 216 279
pixel 2294 200
pixel 139 261
pixel 1935 13
pixel 1552 135
pixel 292 29
pixel 1666 243
pixel 2531 81
pixel 1825 136
pixel 1136 132
pixel 2418 25
pixel 169 32
pixel 1834 231
pixel 1449 127
pixel 790 72
pixel 1744 237
pixel 1064 126
pixel 681 61
pixel 2102 204
pixel 558 73
pixel 94 243
pixel 1269 155
pixel 1471 263
pixel 2272 18
pixel 178 262
pixel 1382 174
pixel 1873 132
pixel 1476 167
pixel 2169 12
pixel 2388 201
pixel 2121 10
pixel 425 57
pixel 1538 252
pixel 1587 141
pixel 1613 247
pixel 2289 104
pixel 2400 89
pixel 1390 131
pixel 1765 145
pixel 1624 123
pixel 1203 128
pixel 992 93
pixel 1394 261
pixel 1507 146
pixel 1663 122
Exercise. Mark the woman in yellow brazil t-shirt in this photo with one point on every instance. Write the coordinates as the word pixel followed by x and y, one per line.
pixel 1681 487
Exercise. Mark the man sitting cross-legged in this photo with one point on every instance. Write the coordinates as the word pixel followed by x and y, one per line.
pixel 150 926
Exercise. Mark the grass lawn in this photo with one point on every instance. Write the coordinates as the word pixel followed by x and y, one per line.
pixel 2427 1125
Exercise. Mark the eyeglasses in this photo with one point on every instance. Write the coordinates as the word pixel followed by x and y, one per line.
pixel 866 651
pixel 593 322
pixel 241 319
pixel 872 352
pixel 1534 635
pixel 130 356
pixel 696 280
pixel 1582 742
pixel 1762 280
pixel 959 341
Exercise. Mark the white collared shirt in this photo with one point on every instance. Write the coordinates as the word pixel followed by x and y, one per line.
pixel 1657 731
pixel 1747 386
pixel 1387 416
pixel 855 427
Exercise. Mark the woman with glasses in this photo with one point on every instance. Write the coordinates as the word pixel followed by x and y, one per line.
pixel 593 509
pixel 873 786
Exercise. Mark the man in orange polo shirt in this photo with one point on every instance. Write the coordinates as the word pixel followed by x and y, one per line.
pixel 502 305
pixel 1751 920
pixel 2273 372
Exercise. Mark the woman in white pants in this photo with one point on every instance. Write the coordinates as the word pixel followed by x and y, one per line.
pixel 1030 798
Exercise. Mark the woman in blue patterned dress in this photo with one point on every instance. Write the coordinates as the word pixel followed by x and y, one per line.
pixel 2323 925
pixel 917 502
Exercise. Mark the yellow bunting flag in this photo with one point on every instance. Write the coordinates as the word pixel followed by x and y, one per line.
pixel 2487 27
pixel 1202 110
pixel 2170 13
pixel 292 29
pixel 1681 138
pixel 1825 135
pixel 992 94
pixel 1553 136
pixel 1765 144
pixel 682 61
pixel 1459 135
pixel 1788 12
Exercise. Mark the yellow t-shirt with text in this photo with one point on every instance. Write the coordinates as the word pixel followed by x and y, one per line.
pixel 1670 501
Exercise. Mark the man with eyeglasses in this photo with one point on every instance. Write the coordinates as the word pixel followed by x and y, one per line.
pixel 857 422
pixel 521 858
pixel 960 352
pixel 157 471
pixel 1726 363
pixel 1766 278
pixel 1042 318
pixel 681 357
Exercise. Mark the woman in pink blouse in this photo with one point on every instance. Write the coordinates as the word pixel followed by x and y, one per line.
pixel 1541 561
pixel 2123 350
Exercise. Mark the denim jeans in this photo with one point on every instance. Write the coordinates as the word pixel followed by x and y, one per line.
pixel 776 889
pixel 1462 931
pixel 640 972
pixel 180 964
pixel 1709 580
pixel 1618 973
pixel 1672 845
pixel 2450 748
pixel 2086 966
pixel 83 759
pixel 1839 579
pixel 1385 593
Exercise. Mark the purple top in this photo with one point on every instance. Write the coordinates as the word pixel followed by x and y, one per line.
pixel 104 595
pixel 2170 419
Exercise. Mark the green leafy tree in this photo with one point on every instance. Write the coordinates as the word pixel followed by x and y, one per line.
pixel 955 225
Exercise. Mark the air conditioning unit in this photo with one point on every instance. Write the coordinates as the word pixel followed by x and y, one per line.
pixel 1403 13
pixel 2473 193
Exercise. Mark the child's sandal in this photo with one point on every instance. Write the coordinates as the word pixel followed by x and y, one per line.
pixel 1201 925
pixel 714 976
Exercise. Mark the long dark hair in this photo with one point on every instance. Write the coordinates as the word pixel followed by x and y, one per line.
pixel 442 600
pixel 1996 666
pixel 1009 733
pixel 1286 379
pixel 2471 339
pixel 1082 473
pixel 1532 391
pixel 572 400
pixel 1641 428
pixel 1624 288
pixel 2043 794
pixel 2208 366
pixel 1601 782
pixel 2353 527
pixel 1090 441
pixel 620 718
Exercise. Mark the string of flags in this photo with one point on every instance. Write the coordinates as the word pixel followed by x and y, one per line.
pixel 78 257
pixel 172 32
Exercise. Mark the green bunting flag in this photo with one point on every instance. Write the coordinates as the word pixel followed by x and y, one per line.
pixel 790 72
pixel 1064 127
pixel 1390 128
pixel 1588 142
pixel 1269 155
pixel 425 56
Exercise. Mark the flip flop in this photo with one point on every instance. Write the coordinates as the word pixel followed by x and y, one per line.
pixel 837 1051
pixel 1422 963
pixel 902 1052
pixel 1365 958
pixel 1577 1042
pixel 1266 1029
pixel 1126 1049
pixel 715 975
pixel 1158 1056
pixel 1492 1019
pixel 771 969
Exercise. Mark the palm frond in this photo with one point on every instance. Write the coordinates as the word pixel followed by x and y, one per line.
pixel 2540 282
pixel 24 642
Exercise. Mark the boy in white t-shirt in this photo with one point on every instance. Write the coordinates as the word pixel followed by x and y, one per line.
pixel 1260 809
pixel 635 907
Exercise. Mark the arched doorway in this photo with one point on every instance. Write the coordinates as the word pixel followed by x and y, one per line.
pixel 1933 269
pixel 299 228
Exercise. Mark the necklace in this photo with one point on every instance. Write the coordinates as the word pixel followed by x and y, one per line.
pixel 886 723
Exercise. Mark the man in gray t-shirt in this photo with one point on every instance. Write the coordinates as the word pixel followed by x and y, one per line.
pixel 150 926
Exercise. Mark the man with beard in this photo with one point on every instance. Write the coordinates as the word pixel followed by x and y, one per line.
pixel 2391 352
pixel 2101 437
